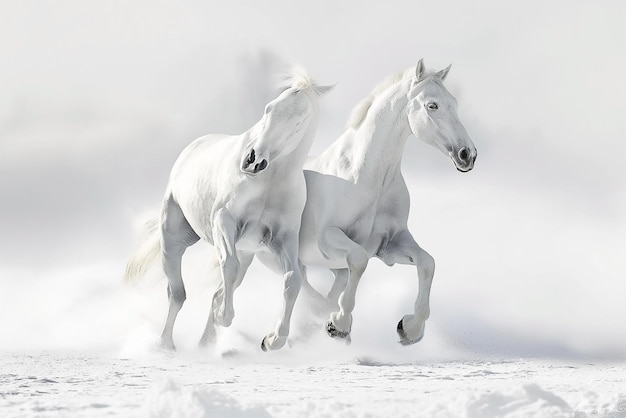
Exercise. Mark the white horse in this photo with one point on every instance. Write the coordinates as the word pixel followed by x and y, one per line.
pixel 244 195
pixel 358 202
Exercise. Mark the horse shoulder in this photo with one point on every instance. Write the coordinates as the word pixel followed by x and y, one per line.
pixel 394 202
pixel 201 152
pixel 202 172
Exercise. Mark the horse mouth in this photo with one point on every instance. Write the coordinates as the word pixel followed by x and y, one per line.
pixel 464 168
pixel 252 169
pixel 463 160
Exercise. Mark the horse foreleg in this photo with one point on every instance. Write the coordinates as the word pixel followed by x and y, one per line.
pixel 208 336
pixel 318 304
pixel 403 249
pixel 335 244
pixel 287 254
pixel 224 231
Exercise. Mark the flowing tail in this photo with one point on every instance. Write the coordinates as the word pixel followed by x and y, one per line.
pixel 146 253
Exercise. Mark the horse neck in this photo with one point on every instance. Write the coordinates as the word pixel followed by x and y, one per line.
pixel 296 158
pixel 377 145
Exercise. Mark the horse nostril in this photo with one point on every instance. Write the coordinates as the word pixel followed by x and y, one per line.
pixel 251 157
pixel 260 166
pixel 464 154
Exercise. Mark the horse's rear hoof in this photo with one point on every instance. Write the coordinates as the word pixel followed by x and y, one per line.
pixel 333 332
pixel 263 344
pixel 404 339
pixel 167 346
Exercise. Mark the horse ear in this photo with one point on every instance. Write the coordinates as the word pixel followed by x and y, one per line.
pixel 444 73
pixel 419 70
pixel 324 89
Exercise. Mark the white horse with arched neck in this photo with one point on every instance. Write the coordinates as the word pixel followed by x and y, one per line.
pixel 244 195
pixel 358 202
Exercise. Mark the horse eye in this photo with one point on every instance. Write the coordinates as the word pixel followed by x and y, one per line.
pixel 432 106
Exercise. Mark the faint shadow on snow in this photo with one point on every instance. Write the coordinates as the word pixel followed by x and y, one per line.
pixel 483 339
pixel 531 400
pixel 169 399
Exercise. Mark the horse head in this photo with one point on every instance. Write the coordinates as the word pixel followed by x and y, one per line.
pixel 433 117
pixel 284 124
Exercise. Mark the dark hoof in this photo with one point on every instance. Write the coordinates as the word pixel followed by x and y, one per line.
pixel 263 346
pixel 335 333
pixel 404 339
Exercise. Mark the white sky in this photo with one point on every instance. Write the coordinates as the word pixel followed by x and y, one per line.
pixel 98 98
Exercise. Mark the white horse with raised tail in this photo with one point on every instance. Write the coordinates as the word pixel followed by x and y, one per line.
pixel 244 195
pixel 358 202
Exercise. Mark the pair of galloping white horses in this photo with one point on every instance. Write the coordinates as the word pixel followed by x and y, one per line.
pixel 257 194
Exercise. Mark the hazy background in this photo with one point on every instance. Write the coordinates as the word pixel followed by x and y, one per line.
pixel 98 98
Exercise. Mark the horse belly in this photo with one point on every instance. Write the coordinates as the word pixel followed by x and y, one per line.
pixel 310 255
pixel 250 245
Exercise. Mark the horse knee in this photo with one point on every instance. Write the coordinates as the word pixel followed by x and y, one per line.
pixel 230 266
pixel 357 262
pixel 426 262
pixel 293 284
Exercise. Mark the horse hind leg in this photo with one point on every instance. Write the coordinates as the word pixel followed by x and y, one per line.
pixel 177 235
pixel 339 284
pixel 209 335
pixel 320 305
pixel 337 245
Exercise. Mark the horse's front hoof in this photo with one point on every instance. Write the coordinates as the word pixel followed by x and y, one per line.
pixel 333 332
pixel 205 342
pixel 404 338
pixel 264 344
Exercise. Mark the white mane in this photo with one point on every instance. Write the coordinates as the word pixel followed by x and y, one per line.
pixel 360 110
pixel 300 79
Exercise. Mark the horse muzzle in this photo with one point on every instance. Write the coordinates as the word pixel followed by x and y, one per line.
pixel 464 159
pixel 252 165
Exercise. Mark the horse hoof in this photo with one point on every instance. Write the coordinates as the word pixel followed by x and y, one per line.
pixel 263 344
pixel 205 342
pixel 404 339
pixel 333 332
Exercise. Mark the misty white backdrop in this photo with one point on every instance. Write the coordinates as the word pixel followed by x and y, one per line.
pixel 98 98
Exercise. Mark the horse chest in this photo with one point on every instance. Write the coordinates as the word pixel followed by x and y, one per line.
pixel 264 215
pixel 253 236
pixel 366 226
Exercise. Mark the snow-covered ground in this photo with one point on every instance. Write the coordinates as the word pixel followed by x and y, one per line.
pixel 99 358
pixel 200 385
pixel 84 345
